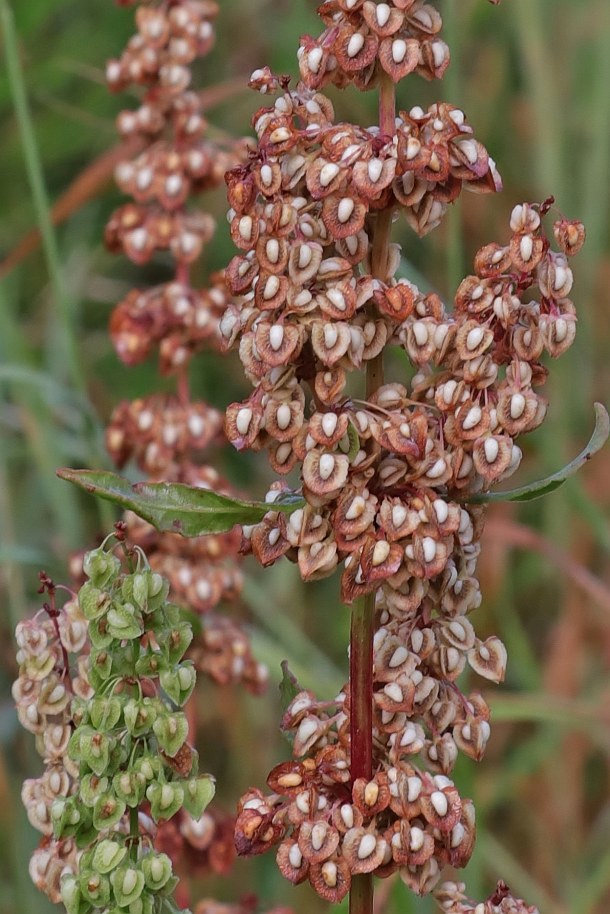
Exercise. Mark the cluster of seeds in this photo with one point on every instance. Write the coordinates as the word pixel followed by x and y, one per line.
pixel 166 435
pixel 128 742
pixel 453 900
pixel 52 670
pixel 363 36
pixel 390 481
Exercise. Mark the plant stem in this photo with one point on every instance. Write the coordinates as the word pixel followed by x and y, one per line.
pixel 363 616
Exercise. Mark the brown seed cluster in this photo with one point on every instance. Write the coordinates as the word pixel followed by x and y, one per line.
pixel 363 37
pixel 453 900
pixel 388 481
pixel 48 679
pixel 168 435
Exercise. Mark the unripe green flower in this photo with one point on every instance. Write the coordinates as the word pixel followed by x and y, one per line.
pixel 104 712
pixel 93 602
pixel 91 787
pixel 99 635
pixel 128 883
pixel 100 668
pixel 101 567
pixel 129 786
pixel 139 716
pixel 198 793
pixel 94 887
pixel 157 869
pixel 124 622
pixel 165 800
pixel 108 811
pixel 108 855
pixel 179 682
pixel 149 767
pixel 178 640
pixel 151 664
pixel 171 731
pixel 71 895
pixel 95 750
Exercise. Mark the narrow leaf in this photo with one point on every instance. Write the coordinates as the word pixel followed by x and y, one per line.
pixel 544 486
pixel 289 686
pixel 354 442
pixel 177 508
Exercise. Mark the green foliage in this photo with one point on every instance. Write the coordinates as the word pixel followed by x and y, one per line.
pixel 124 741
pixel 177 508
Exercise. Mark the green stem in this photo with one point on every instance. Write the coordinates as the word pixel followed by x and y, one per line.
pixel 39 193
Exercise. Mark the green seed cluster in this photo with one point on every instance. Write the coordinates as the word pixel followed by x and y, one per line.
pixel 129 742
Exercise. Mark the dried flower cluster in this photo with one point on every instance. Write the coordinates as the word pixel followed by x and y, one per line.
pixel 387 480
pixel 128 739
pixel 453 900
pixel 52 670
pixel 167 434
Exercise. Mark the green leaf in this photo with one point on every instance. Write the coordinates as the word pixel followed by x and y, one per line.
pixel 289 687
pixel 544 486
pixel 177 508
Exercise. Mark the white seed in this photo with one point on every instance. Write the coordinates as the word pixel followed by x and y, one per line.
pixel 517 406
pixel 429 549
pixel 561 329
pixel 399 515
pixel 440 803
pixel 449 389
pixel 473 417
pixel 306 730
pixel 367 846
pixel 399 50
pixel 457 835
pixel 266 175
pixel 318 835
pixel 413 148
pixel 474 338
pixel 314 59
pixel 243 420
pixel 279 135
pixel 329 424
pixel 416 838
pixel 305 256
pixel 441 509
pixel 420 332
pixel 328 173
pixel 409 552
pixel 382 14
pixel 526 247
pixel 145 420
pixel 561 276
pixel 347 815
pixel 417 640
pixel 331 335
pixel 414 788
pixel 272 249
pixel 276 337
pixel 356 509
pixel 327 466
pixel 173 185
pixel 283 416
pixel 130 880
pixel 345 210
pixel 437 469
pixel 337 298
pixel 374 169
pixel 138 239
pixel 272 287
pixel 355 44
pixel 439 53
pixel 492 449
pixel 457 629
pixel 393 691
pixel 398 657
pixel 380 553
pixel 329 874
pixel 295 856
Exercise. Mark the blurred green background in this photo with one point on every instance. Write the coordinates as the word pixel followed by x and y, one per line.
pixel 534 79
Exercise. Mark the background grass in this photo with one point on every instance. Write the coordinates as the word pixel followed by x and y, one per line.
pixel 533 76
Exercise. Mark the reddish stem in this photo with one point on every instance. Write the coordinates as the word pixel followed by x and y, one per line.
pixel 363 616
